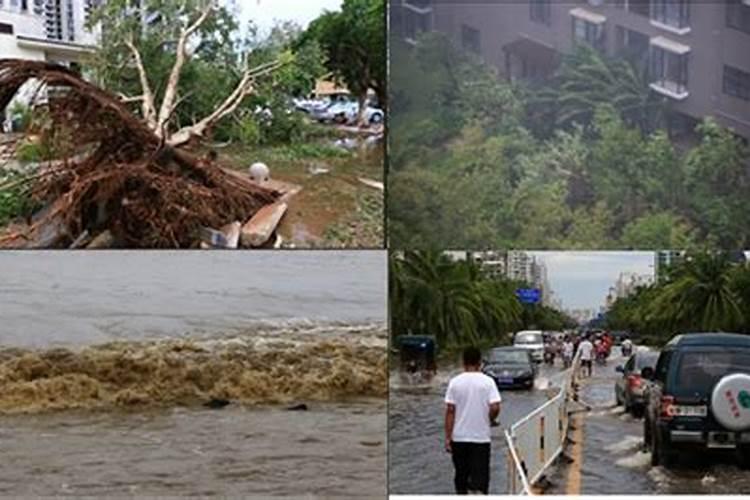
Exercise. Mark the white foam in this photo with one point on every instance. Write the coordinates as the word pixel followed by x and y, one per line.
pixel 628 443
pixel 626 417
pixel 541 383
pixel 659 475
pixel 640 460
pixel 708 479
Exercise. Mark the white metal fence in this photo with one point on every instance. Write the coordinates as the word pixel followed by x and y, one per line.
pixel 535 441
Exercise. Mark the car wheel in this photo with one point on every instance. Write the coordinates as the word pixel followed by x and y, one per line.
pixel 744 457
pixel 376 118
pixel 660 455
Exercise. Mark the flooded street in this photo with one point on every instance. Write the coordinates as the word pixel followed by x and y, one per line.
pixel 106 394
pixel 417 461
pixel 614 461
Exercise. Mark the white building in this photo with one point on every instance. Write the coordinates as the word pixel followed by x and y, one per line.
pixel 48 30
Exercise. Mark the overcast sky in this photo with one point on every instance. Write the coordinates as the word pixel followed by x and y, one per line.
pixel 265 12
pixel 582 279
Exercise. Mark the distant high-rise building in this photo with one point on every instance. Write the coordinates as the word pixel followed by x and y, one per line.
pixel 52 30
pixel 493 264
pixel 663 260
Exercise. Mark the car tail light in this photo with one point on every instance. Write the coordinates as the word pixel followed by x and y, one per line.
pixel 634 381
pixel 667 408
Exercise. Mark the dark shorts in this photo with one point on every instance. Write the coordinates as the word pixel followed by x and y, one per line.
pixel 472 464
pixel 586 362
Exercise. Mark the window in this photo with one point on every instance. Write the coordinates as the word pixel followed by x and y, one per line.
pixel 738 15
pixel 6 29
pixel 415 23
pixel 471 39
pixel 736 82
pixel 662 366
pixel 632 45
pixel 640 7
pixel 673 13
pixel 588 32
pixel 540 11
pixel 669 71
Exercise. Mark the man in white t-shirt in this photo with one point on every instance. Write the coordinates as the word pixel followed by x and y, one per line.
pixel 472 403
pixel 587 354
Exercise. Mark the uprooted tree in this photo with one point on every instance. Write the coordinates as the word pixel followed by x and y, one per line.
pixel 118 176
pixel 146 52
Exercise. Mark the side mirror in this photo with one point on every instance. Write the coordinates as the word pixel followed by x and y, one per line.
pixel 620 369
pixel 647 373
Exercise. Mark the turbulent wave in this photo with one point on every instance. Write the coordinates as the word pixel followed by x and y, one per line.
pixel 252 369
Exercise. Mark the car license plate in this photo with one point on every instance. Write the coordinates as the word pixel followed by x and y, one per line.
pixel 690 411
pixel 506 380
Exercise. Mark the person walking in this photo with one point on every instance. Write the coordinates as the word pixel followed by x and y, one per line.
pixel 472 405
pixel 587 354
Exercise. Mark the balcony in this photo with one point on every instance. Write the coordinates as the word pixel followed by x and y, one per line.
pixel 55 49
pixel 418 6
pixel 669 61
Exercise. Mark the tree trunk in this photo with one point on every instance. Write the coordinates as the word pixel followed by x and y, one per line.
pixel 362 101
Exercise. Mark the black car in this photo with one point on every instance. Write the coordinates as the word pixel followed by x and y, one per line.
pixel 630 388
pixel 510 367
pixel 686 397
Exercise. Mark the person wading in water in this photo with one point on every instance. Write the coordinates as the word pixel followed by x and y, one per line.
pixel 472 403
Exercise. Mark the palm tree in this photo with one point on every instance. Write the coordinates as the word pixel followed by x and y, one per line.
pixel 586 79
pixel 433 295
pixel 701 296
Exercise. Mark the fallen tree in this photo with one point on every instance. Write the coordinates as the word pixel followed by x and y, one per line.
pixel 116 174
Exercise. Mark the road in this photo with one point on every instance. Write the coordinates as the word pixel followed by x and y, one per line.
pixel 613 461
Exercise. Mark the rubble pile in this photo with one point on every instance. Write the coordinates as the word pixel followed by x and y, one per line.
pixel 113 179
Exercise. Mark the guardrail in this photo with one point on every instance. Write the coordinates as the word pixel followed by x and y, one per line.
pixel 538 439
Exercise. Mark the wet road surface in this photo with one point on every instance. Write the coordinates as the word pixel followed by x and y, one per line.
pixel 418 463
pixel 614 461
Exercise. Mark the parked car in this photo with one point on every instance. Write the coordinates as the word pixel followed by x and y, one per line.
pixel 630 388
pixel 531 340
pixel 510 367
pixel 699 397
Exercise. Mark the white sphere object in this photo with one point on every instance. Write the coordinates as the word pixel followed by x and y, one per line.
pixel 259 172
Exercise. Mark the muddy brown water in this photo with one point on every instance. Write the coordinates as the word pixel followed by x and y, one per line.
pixel 614 461
pixel 107 358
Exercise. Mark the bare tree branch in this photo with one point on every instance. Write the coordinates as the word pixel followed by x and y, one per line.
pixel 126 99
pixel 147 105
pixel 170 93
pixel 244 88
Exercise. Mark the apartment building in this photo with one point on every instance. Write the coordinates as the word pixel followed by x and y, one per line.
pixel 51 30
pixel 695 52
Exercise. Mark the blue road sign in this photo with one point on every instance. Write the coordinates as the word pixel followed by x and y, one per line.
pixel 529 295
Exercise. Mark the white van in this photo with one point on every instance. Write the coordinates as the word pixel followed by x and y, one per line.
pixel 532 340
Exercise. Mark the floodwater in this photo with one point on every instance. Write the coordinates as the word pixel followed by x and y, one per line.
pixel 614 461
pixel 417 462
pixel 107 359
